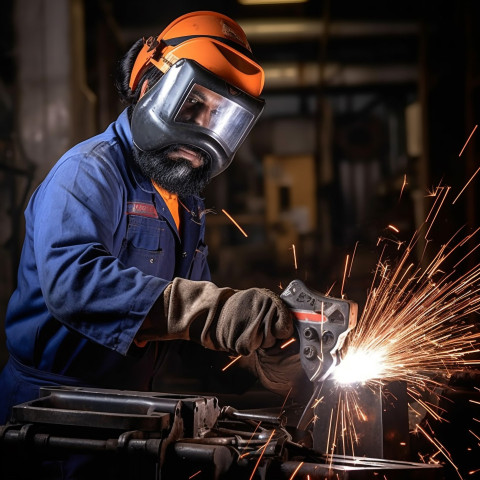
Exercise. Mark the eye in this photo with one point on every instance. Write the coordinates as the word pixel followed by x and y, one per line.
pixel 194 100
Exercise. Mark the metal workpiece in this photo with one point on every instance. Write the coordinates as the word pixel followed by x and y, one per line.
pixel 362 420
pixel 358 468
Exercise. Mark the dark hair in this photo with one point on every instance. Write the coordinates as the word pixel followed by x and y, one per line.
pixel 124 70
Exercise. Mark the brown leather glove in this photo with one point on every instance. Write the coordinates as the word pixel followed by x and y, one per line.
pixel 279 370
pixel 235 321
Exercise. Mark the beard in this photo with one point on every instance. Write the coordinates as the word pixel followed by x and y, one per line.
pixel 176 176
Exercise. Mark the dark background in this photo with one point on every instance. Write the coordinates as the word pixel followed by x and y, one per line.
pixel 369 104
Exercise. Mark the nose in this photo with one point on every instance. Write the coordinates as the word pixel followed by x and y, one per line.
pixel 201 117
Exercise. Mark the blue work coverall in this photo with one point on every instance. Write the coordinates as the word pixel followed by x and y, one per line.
pixel 100 248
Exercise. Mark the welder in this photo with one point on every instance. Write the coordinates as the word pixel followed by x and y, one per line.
pixel 113 279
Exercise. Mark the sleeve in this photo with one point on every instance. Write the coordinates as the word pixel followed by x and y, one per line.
pixel 84 286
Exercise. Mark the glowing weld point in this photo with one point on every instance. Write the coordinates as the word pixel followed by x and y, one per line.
pixel 288 343
pixel 359 366
pixel 235 223
pixel 231 363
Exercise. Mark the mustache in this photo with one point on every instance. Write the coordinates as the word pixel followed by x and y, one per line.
pixel 176 176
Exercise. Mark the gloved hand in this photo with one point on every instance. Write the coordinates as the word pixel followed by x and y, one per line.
pixel 280 371
pixel 235 321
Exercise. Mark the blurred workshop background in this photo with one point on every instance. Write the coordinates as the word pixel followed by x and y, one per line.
pixel 368 106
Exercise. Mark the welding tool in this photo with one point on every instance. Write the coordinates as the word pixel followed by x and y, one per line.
pixel 322 325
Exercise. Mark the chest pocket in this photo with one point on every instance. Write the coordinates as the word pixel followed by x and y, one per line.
pixel 149 246
pixel 199 265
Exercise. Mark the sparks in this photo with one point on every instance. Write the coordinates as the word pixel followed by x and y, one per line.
pixel 415 327
pixel 235 223
pixel 475 435
pixel 285 401
pixel 330 289
pixel 286 344
pixel 294 257
pixel 344 275
pixel 394 228
pixel 194 475
pixel 231 363
pixel 250 439
pixel 403 186
pixel 466 143
pixel 353 256
pixel 466 185
pixel 296 471
pixel 261 455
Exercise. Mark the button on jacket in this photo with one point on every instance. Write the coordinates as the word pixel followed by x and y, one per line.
pixel 100 247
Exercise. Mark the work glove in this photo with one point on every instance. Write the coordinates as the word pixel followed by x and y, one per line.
pixel 236 321
pixel 279 369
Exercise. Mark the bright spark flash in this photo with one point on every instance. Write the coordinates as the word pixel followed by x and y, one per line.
pixel 360 366
pixel 413 326
pixel 416 326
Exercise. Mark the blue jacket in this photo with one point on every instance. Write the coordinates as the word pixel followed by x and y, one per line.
pixel 100 247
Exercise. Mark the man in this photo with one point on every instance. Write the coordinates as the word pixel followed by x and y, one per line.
pixel 113 279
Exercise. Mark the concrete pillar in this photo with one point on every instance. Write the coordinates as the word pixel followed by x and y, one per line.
pixel 53 110
pixel 55 107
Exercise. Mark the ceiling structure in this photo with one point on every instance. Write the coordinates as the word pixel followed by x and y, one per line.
pixel 303 44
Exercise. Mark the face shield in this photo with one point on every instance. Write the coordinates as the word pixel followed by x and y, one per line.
pixel 191 106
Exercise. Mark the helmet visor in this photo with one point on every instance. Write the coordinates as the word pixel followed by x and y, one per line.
pixel 191 106
pixel 211 110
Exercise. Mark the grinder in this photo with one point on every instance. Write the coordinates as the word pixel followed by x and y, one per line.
pixel 322 325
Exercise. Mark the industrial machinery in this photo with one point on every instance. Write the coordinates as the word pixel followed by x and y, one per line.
pixel 151 435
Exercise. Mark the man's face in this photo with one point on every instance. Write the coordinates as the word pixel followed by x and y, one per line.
pixel 184 169
pixel 201 107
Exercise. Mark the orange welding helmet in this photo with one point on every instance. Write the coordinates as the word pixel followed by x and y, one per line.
pixel 208 95
pixel 213 40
